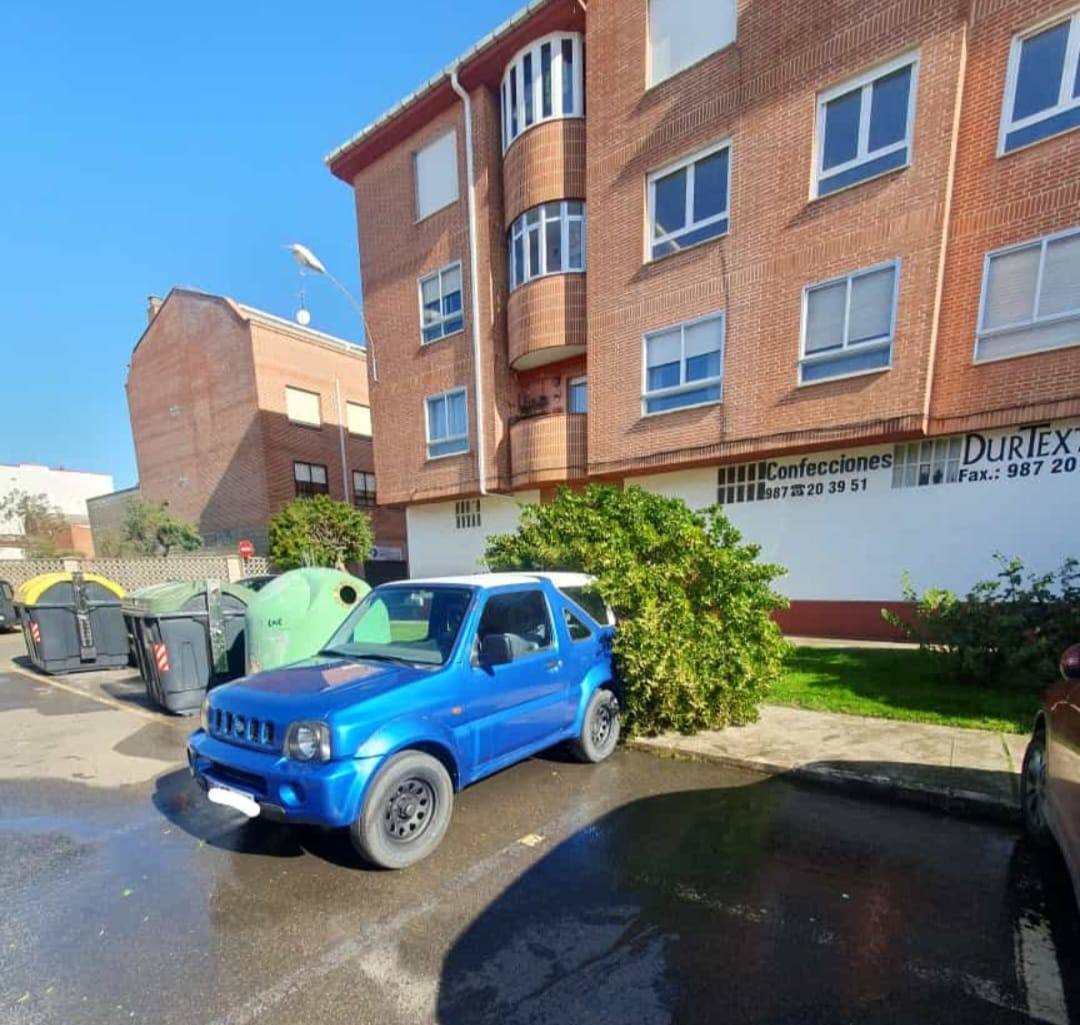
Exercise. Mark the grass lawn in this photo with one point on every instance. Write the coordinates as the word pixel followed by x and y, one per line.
pixel 892 683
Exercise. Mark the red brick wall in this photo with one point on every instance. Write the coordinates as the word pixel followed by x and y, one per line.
pixel 547 313
pixel 191 396
pixel 206 392
pixel 546 162
pixel 999 201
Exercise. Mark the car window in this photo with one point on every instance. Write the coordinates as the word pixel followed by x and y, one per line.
pixel 589 599
pixel 578 630
pixel 522 616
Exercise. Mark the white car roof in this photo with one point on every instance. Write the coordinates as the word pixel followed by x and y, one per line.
pixel 557 579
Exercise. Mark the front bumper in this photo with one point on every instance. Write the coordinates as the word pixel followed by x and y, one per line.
pixel 324 794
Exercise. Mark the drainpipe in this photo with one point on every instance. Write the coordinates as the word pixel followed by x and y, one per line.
pixel 474 275
pixel 341 440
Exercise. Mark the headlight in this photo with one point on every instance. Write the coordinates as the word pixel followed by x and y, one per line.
pixel 204 714
pixel 308 741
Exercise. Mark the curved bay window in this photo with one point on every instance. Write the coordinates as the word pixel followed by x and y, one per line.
pixel 548 239
pixel 543 82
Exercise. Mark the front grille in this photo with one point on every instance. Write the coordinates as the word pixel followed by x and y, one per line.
pixel 238 778
pixel 237 727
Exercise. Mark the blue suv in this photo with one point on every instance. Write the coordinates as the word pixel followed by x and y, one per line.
pixel 428 686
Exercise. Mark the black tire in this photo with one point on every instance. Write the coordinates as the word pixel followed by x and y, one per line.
pixel 406 811
pixel 1033 790
pixel 599 728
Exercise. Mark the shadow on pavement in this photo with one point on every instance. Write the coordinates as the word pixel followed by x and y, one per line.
pixel 183 803
pixel 765 903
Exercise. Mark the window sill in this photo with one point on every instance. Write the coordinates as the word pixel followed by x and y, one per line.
pixel 652 87
pixel 305 425
pixel 653 261
pixel 446 455
pixel 1042 350
pixel 439 210
pixel 536 124
pixel 1002 152
pixel 815 198
pixel 679 409
pixel 354 434
pixel 441 338
pixel 844 377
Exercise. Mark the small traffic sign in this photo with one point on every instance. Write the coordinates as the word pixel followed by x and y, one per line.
pixel 246 550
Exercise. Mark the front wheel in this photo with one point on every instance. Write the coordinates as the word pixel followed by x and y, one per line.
pixel 1033 790
pixel 406 812
pixel 599 728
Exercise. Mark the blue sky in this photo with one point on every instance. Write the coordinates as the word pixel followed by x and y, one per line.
pixel 147 145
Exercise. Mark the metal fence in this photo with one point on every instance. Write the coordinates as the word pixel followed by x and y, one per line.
pixel 133 573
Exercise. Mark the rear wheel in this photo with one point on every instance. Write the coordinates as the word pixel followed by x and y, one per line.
pixel 599 728
pixel 1033 789
pixel 406 812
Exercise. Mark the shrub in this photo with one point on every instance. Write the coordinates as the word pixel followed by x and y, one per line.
pixel 151 529
pixel 319 531
pixel 696 646
pixel 1008 630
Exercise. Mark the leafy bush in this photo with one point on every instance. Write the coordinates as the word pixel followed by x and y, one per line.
pixel 696 647
pixel 149 529
pixel 319 531
pixel 1009 630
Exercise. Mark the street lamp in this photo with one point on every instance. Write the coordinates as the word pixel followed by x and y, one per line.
pixel 308 262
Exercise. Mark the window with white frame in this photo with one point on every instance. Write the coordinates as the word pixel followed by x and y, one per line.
pixel 1030 297
pixel 548 239
pixel 358 419
pixel 919 463
pixel 1042 85
pixel 688 201
pixel 544 81
pixel 864 126
pixel 436 171
pixel 683 32
pixel 440 303
pixel 447 423
pixel 684 365
pixel 310 479
pixel 848 324
pixel 363 489
pixel 302 407
pixel 577 397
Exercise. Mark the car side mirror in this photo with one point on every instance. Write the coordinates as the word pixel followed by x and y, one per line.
pixel 495 650
pixel 1070 663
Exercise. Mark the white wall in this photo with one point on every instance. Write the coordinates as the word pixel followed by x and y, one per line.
pixel 438 548
pixel 856 545
pixel 67 489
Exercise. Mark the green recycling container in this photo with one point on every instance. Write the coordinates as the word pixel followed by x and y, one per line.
pixel 8 619
pixel 292 617
pixel 72 622
pixel 186 637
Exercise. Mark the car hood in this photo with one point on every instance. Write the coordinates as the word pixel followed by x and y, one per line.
pixel 316 686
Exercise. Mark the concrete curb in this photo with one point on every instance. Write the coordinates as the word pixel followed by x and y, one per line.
pixel 952 801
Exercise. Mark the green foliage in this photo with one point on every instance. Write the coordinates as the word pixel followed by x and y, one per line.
pixel 39 521
pixel 1007 631
pixel 696 647
pixel 319 531
pixel 150 529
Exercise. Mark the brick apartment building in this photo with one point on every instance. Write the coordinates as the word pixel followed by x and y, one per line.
pixel 816 261
pixel 236 412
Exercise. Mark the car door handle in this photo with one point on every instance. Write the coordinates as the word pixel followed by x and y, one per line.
pixel 552 664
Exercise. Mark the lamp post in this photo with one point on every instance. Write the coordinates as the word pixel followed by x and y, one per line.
pixel 308 262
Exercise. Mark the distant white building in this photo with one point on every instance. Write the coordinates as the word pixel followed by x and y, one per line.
pixel 67 490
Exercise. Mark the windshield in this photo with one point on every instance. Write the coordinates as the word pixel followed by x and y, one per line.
pixel 404 624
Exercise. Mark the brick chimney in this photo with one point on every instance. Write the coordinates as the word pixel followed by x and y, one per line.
pixel 153 304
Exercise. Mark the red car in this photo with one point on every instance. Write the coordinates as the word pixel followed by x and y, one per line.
pixel 1050 785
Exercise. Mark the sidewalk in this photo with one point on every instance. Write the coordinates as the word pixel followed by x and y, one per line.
pixel 968 772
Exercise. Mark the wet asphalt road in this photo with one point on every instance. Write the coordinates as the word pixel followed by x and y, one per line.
pixel 638 891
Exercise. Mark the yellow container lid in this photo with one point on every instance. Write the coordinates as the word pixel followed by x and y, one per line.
pixel 30 591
